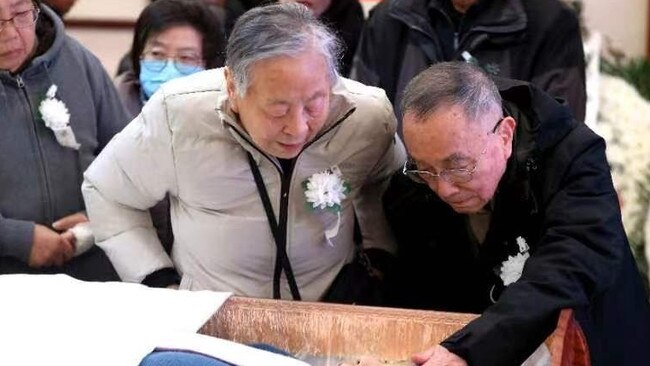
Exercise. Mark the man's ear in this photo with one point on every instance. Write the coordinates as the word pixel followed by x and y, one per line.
pixel 230 87
pixel 506 134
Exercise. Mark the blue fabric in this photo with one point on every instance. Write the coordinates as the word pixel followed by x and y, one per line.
pixel 184 358
pixel 178 358
pixel 270 348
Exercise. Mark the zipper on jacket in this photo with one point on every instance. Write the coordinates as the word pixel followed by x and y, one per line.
pixel 335 124
pixel 44 177
pixel 285 180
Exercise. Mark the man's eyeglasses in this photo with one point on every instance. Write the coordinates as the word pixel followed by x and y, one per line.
pixel 459 175
pixel 23 19
pixel 185 63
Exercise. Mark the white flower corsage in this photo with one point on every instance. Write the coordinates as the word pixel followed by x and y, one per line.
pixel 325 191
pixel 512 268
pixel 57 118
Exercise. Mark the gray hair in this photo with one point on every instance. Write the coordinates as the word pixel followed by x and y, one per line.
pixel 284 29
pixel 452 83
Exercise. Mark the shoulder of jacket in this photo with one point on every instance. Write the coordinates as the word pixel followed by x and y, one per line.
pixel 367 98
pixel 373 107
pixel 361 93
pixel 211 80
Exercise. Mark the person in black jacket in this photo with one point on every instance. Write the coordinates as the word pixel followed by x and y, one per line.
pixel 517 220
pixel 535 41
pixel 345 18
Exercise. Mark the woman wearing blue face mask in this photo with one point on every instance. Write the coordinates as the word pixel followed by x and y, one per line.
pixel 172 38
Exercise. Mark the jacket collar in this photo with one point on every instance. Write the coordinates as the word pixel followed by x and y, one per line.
pixel 541 124
pixel 490 16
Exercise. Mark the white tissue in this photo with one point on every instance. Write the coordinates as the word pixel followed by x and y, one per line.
pixel 84 237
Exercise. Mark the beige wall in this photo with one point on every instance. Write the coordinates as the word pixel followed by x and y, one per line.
pixel 624 22
pixel 108 44
pixel 107 9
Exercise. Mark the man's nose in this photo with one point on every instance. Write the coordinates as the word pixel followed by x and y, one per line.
pixel 443 188
pixel 297 123
pixel 8 30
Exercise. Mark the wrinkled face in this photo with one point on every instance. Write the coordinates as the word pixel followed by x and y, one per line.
pixel 317 7
pixel 17 45
pixel 447 140
pixel 286 103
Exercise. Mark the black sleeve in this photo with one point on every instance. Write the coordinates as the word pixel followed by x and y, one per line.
pixel 162 278
pixel 560 65
pixel 576 260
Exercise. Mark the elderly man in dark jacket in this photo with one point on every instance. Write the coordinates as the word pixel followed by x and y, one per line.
pixel 519 221
pixel 536 41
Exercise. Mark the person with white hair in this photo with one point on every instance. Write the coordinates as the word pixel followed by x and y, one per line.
pixel 268 162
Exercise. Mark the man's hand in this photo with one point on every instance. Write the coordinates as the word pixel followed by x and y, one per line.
pixel 49 248
pixel 437 356
pixel 68 222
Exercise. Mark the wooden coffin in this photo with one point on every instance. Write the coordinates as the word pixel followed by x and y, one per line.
pixel 345 331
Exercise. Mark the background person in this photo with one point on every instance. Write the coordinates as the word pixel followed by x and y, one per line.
pixel 346 18
pixel 535 41
pixel 172 38
pixel 59 109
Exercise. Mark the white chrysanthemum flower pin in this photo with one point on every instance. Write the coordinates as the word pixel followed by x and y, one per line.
pixel 326 191
pixel 55 114
pixel 56 117
pixel 513 267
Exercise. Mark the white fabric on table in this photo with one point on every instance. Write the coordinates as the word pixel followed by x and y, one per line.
pixel 57 320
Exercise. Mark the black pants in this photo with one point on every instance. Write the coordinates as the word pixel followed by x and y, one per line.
pixel 93 265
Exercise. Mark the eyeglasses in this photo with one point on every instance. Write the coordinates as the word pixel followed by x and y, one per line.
pixel 23 19
pixel 459 176
pixel 185 63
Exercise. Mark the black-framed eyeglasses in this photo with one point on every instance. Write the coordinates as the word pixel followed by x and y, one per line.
pixel 458 175
pixel 185 63
pixel 23 19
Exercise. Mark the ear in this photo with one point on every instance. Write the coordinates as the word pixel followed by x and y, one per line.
pixel 232 92
pixel 506 134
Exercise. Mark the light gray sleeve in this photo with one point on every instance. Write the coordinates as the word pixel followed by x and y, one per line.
pixel 133 172
pixel 368 204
